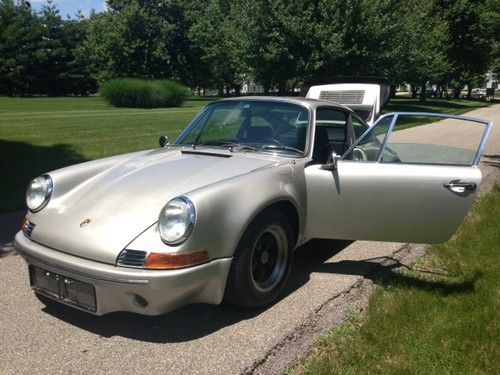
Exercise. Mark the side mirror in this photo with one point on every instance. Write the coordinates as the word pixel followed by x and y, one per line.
pixel 332 162
pixel 163 141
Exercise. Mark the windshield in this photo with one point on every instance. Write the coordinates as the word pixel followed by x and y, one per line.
pixel 249 125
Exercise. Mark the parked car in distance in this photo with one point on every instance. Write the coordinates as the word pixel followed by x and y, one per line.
pixel 218 213
pixel 478 94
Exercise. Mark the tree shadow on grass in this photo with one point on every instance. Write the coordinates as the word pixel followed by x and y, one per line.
pixel 390 272
pixel 20 162
pixel 434 105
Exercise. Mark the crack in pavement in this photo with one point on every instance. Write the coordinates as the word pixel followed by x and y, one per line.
pixel 330 311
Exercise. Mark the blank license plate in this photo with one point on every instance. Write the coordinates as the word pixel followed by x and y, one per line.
pixel 63 288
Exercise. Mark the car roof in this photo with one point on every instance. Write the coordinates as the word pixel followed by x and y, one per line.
pixel 309 102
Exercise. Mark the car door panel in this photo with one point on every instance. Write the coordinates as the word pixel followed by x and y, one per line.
pixel 411 177
pixel 387 202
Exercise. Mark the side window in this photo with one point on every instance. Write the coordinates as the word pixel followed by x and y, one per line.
pixel 330 117
pixel 330 134
pixel 420 139
pixel 433 140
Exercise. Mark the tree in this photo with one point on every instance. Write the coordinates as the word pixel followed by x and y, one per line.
pixel 79 77
pixel 425 40
pixel 343 34
pixel 7 56
pixel 491 19
pixel 37 51
pixel 280 40
pixel 20 32
pixel 222 44
pixel 52 53
pixel 470 39
pixel 186 57
pixel 132 42
pixel 180 59
pixel 385 50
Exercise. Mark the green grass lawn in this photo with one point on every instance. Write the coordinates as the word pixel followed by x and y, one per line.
pixel 38 135
pixel 440 317
pixel 452 107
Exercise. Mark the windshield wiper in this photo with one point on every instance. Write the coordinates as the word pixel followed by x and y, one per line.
pixel 209 143
pixel 282 147
pixel 233 146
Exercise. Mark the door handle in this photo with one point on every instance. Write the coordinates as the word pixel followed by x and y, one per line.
pixel 461 187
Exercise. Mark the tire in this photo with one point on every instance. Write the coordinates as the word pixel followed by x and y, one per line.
pixel 262 262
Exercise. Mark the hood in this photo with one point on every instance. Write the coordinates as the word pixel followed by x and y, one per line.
pixel 121 202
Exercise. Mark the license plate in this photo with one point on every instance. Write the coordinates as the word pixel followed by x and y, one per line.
pixel 63 288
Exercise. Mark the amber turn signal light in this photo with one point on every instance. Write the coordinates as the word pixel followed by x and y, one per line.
pixel 25 222
pixel 166 261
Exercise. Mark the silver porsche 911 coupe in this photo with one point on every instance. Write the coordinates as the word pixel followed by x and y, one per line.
pixel 218 213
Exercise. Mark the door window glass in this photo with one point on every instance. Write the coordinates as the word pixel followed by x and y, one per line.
pixel 420 139
pixel 433 140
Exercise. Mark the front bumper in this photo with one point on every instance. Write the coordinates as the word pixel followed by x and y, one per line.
pixel 120 288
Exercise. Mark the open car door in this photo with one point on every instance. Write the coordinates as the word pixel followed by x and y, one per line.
pixel 411 177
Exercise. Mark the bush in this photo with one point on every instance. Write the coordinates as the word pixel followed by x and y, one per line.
pixel 138 93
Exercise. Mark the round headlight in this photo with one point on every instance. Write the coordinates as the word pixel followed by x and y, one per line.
pixel 38 193
pixel 176 220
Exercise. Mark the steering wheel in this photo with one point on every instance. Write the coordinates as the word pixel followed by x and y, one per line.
pixel 358 154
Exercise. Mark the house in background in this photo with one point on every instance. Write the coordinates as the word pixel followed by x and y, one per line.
pixel 251 88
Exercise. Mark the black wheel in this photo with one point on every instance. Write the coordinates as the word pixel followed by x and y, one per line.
pixel 262 262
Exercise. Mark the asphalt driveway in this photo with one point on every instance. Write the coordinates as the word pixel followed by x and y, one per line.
pixel 331 279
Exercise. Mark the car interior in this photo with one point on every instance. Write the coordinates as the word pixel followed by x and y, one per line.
pixel 268 127
pixel 332 134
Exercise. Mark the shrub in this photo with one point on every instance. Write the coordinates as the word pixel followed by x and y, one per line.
pixel 139 93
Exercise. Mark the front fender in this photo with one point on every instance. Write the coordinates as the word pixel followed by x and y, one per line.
pixel 226 208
